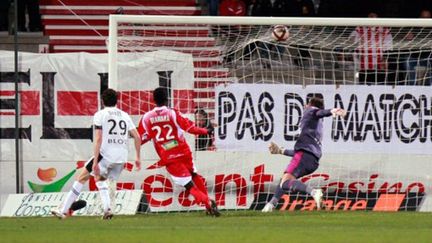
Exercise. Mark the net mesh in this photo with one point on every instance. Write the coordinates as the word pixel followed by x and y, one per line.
pixel 324 58
pixel 311 54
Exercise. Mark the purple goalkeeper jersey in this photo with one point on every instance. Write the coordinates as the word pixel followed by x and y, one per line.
pixel 311 125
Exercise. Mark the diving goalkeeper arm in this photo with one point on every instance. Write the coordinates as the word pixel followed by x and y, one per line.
pixel 275 149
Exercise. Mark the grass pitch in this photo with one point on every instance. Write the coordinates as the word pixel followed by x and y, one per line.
pixel 242 226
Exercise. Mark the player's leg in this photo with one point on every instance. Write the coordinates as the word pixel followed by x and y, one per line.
pixel 198 181
pixel 102 185
pixel 307 164
pixel 287 176
pixel 182 176
pixel 77 186
pixel 302 163
pixel 114 172
pixel 202 199
pixel 74 192
pixel 103 188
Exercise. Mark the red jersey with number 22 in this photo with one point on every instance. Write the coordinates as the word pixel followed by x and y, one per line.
pixel 166 127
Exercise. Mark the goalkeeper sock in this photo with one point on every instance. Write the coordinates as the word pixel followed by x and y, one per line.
pixel 277 196
pixel 199 183
pixel 296 185
pixel 200 198
pixel 104 193
pixel 72 196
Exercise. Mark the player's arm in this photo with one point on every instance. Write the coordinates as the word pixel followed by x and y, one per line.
pixel 144 138
pixel 320 113
pixel 137 142
pixel 97 123
pixel 189 126
pixel 96 149
pixel 143 132
pixel 275 149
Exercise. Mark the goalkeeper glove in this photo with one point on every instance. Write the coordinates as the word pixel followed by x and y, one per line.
pixel 275 149
pixel 338 112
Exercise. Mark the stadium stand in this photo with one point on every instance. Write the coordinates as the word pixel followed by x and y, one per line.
pixel 81 25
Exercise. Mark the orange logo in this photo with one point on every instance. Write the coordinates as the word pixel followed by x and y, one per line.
pixel 46 175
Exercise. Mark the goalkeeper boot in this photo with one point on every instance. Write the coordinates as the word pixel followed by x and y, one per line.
pixel 108 215
pixel 57 213
pixel 268 208
pixel 213 210
pixel 317 195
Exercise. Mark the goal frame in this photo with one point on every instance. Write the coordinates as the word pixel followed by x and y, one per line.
pixel 336 168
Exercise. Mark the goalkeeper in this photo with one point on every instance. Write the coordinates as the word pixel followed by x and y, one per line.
pixel 306 153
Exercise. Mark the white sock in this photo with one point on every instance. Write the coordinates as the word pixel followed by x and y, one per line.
pixel 112 191
pixel 72 196
pixel 104 193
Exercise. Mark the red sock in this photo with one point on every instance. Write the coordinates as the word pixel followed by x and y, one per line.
pixel 200 198
pixel 199 182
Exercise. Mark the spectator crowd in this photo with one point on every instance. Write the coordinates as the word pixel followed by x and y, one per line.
pixel 29 8
pixel 375 59
pixel 319 8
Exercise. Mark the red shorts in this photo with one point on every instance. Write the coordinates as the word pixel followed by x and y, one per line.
pixel 181 167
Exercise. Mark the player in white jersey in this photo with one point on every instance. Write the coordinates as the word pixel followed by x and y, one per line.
pixel 112 128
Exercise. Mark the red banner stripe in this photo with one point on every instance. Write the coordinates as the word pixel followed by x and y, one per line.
pixel 29 102
pixel 85 103
pixel 7 93
pixel 77 103
pixel 6 113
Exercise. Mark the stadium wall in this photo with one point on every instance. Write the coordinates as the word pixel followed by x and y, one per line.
pixel 236 180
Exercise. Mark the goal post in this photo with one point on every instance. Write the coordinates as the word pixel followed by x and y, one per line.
pixel 253 88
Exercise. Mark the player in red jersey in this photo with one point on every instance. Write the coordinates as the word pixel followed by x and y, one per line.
pixel 166 127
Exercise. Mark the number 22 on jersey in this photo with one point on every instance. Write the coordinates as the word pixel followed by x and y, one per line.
pixel 164 133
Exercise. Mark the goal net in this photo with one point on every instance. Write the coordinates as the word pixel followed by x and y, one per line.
pixel 250 79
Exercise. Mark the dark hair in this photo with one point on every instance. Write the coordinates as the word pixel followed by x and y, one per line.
pixel 109 97
pixel 160 96
pixel 317 102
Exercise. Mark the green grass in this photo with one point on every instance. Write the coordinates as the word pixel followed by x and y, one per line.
pixel 244 226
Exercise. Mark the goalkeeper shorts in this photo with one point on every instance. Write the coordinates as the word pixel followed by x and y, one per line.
pixel 302 163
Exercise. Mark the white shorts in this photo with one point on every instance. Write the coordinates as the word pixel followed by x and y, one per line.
pixel 181 181
pixel 107 170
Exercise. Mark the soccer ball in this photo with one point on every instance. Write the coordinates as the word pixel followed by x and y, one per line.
pixel 280 33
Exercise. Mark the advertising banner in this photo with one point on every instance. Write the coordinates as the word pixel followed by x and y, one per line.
pixel 381 119
pixel 41 204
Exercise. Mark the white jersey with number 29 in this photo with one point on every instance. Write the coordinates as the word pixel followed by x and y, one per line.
pixel 115 125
